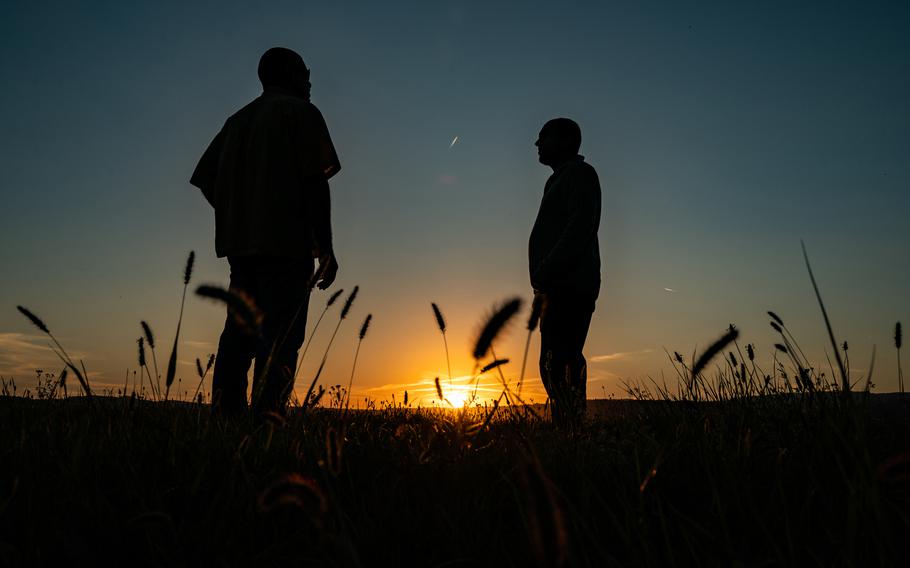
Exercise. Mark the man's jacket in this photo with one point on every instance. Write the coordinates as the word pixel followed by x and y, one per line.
pixel 563 252
pixel 258 174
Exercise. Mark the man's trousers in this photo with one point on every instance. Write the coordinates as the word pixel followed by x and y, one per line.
pixel 279 288
pixel 563 329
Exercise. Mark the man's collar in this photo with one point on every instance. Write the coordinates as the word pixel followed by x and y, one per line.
pixel 573 160
pixel 272 90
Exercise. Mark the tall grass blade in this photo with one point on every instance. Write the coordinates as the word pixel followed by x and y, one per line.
pixel 821 304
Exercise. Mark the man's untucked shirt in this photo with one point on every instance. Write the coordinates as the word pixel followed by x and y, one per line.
pixel 258 172
pixel 563 253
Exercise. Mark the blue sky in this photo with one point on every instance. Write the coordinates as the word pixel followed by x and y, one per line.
pixel 723 134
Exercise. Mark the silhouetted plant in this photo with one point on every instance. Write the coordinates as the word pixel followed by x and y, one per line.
pixel 309 340
pixel 344 312
pixel 172 361
pixel 898 342
pixel 150 339
pixel 59 351
pixel 363 333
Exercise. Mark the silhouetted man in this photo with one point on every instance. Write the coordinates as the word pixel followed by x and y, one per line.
pixel 564 261
pixel 266 174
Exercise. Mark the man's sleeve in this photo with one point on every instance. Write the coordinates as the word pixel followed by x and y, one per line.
pixel 207 169
pixel 581 226
pixel 320 159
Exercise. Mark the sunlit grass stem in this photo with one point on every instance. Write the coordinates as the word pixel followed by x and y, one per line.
pixel 172 362
pixel 441 324
pixel 344 313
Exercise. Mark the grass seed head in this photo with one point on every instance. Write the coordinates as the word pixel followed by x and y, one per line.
pixel 781 348
pixel 898 335
pixel 141 343
pixel 199 367
pixel 33 318
pixel 240 306
pixel 211 362
pixel 333 297
pixel 439 389
pixel 490 366
pixel 750 351
pixel 777 328
pixel 714 349
pixel 188 271
pixel 365 326
pixel 149 337
pixel 495 324
pixel 349 302
pixel 440 321
pixel 776 318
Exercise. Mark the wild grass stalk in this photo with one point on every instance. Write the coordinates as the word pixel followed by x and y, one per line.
pixel 150 339
pixel 495 323
pixel 536 310
pixel 309 340
pixel 59 351
pixel 840 363
pixel 202 373
pixel 143 366
pixel 363 333
pixel 441 324
pixel 172 361
pixel 344 313
pixel 898 342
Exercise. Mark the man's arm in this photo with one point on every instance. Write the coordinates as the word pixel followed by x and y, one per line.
pixel 319 213
pixel 584 215
pixel 207 169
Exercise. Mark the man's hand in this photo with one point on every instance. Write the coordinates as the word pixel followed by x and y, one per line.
pixel 328 269
pixel 540 303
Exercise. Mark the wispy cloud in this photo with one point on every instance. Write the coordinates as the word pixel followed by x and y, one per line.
pixel 21 354
pixel 454 141
pixel 619 356
pixel 670 290
pixel 199 344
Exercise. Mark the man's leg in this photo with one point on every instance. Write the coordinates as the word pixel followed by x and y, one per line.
pixel 284 298
pixel 236 348
pixel 563 330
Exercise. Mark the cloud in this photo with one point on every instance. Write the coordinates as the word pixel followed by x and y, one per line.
pixel 619 356
pixel 671 290
pixel 199 344
pixel 21 354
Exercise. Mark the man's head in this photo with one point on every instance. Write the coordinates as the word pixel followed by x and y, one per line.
pixel 283 68
pixel 558 141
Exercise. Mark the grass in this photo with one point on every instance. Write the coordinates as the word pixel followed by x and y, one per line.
pixel 773 478
pixel 732 465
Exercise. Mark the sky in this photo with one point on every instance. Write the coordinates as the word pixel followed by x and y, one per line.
pixel 723 133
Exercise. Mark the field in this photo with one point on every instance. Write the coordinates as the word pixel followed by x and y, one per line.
pixel 731 465
pixel 814 478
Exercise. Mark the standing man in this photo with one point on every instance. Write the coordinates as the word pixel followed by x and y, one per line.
pixel 266 174
pixel 564 261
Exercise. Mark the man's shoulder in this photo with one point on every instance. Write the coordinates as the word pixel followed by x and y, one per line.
pixel 580 170
pixel 272 103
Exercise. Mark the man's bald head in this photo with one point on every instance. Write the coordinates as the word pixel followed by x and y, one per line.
pixel 566 131
pixel 284 68
pixel 559 140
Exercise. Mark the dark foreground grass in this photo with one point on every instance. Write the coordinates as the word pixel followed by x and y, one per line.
pixel 777 479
